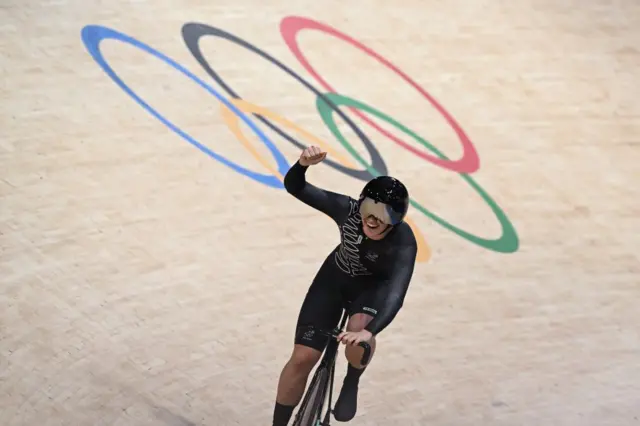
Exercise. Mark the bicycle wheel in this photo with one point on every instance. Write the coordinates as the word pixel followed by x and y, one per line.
pixel 314 399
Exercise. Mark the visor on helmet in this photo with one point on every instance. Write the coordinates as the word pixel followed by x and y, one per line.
pixel 381 211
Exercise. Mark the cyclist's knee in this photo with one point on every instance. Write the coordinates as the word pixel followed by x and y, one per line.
pixel 304 358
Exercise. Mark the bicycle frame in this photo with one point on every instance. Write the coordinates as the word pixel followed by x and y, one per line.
pixel 328 362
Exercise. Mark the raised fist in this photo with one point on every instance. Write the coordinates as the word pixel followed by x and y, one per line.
pixel 312 155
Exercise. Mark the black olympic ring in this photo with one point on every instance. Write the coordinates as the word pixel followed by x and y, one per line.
pixel 192 32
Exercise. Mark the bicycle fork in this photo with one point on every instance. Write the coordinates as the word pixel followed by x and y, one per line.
pixel 327 416
pixel 332 354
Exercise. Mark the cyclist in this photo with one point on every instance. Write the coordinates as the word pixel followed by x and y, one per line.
pixel 370 270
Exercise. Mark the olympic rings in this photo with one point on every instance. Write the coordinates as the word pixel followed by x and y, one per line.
pixel 326 103
pixel 507 242
pixel 93 35
pixel 192 32
pixel 292 25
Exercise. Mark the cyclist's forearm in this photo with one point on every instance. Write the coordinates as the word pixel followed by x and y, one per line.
pixel 393 301
pixel 386 315
pixel 295 180
pixel 332 204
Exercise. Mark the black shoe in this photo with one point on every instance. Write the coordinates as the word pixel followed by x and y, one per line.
pixel 347 403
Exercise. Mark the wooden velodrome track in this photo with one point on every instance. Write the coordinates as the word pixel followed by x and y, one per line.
pixel 152 266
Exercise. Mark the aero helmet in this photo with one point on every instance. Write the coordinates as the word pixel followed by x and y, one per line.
pixel 386 198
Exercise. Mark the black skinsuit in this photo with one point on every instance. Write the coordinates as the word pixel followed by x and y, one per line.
pixel 368 276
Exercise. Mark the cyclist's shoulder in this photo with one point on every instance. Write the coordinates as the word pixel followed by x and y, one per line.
pixel 403 236
pixel 400 245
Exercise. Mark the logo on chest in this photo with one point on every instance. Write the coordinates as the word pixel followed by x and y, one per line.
pixel 371 256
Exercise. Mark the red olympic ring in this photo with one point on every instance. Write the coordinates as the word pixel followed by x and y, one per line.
pixel 292 25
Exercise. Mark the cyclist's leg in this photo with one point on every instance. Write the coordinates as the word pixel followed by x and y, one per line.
pixel 361 312
pixel 322 308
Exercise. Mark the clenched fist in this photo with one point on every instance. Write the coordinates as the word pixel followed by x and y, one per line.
pixel 312 155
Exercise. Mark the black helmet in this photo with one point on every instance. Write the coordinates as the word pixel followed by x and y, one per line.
pixel 390 192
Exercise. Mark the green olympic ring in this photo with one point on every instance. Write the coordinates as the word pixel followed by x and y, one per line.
pixel 508 241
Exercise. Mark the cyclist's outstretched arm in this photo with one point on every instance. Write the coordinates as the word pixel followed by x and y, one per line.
pixel 396 289
pixel 332 204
